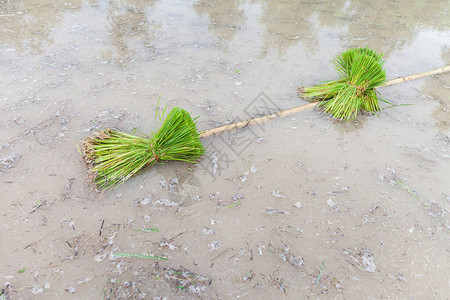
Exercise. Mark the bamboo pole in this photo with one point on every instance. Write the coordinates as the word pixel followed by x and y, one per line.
pixel 417 76
pixel 254 121
pixel 242 124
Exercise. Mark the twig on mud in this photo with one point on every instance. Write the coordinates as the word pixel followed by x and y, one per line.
pixel 67 187
pixel 221 253
pixel 30 244
pixel 287 231
pixel 37 207
pixel 101 249
pixel 35 242
pixel 101 228
pixel 171 239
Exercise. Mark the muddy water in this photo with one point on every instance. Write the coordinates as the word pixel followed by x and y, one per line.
pixel 301 207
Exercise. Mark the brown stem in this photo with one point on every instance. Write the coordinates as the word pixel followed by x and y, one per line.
pixel 242 124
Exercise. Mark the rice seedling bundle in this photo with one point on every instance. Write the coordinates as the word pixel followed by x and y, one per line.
pixel 361 71
pixel 115 156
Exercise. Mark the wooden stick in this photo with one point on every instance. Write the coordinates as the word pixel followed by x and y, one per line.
pixel 254 121
pixel 417 76
pixel 242 124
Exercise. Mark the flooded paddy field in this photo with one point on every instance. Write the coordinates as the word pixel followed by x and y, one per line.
pixel 299 207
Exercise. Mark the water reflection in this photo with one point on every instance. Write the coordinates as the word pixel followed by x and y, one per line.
pixel 385 26
pixel 130 29
pixel 390 25
pixel 288 22
pixel 26 26
pixel 225 17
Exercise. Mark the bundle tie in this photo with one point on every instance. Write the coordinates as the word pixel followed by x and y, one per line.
pixel 155 157
pixel 359 89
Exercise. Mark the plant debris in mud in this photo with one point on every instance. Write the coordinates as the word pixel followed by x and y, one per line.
pixel 286 255
pixel 184 279
pixel 361 71
pixel 363 260
pixel 277 281
pixel 270 211
pixel 114 156
pixel 144 282
pixel 8 162
pixel 248 276
pixel 5 291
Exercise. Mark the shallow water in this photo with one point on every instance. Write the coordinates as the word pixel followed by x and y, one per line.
pixel 367 202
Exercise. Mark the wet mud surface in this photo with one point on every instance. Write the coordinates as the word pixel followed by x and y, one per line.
pixel 303 206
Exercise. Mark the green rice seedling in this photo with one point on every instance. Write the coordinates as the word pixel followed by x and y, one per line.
pixel 115 156
pixel 405 187
pixel 138 256
pixel 148 229
pixel 361 71
pixel 232 205
pixel 320 273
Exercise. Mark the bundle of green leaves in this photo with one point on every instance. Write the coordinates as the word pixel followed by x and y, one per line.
pixel 361 71
pixel 115 156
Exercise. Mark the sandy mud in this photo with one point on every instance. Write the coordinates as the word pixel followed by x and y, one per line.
pixel 298 208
